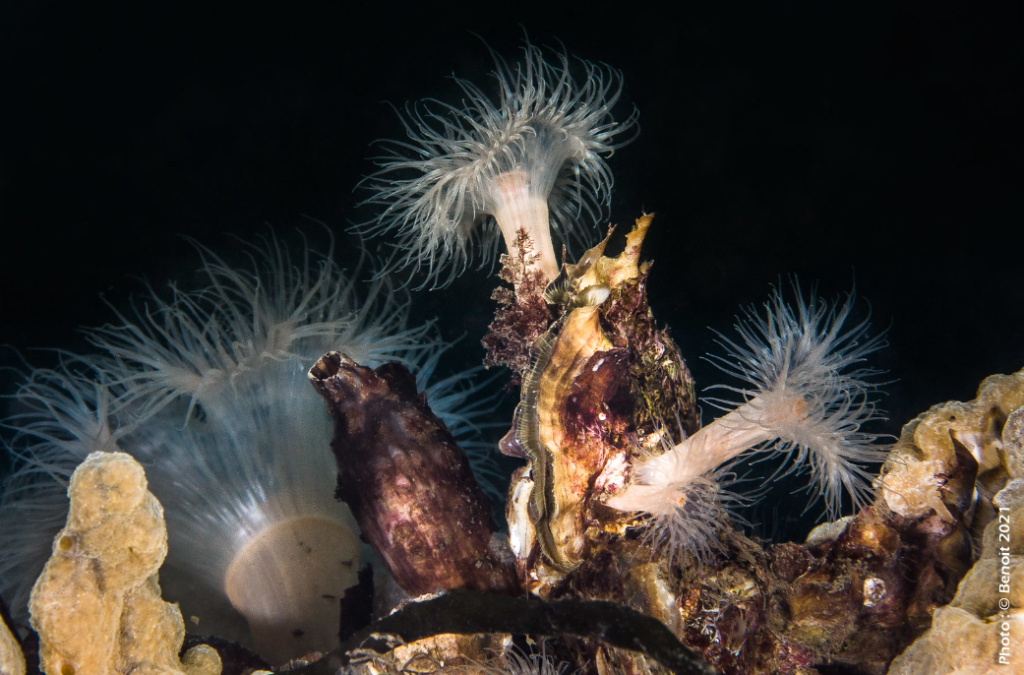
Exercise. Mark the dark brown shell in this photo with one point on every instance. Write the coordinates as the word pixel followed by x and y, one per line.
pixel 408 483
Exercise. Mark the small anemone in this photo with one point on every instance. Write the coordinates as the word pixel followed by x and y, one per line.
pixel 805 397
pixel 683 512
pixel 534 160
pixel 513 661
pixel 806 388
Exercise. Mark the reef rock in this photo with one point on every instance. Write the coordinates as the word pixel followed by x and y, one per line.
pixel 981 632
pixel 991 427
pixel 97 605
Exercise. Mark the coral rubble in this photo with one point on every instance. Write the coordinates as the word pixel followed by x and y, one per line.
pixel 97 605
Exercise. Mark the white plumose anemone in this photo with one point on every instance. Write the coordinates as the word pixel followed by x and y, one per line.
pixel 533 161
pixel 209 391
pixel 683 512
pixel 804 396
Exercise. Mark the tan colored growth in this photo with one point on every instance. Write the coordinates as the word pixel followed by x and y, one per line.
pixel 924 457
pixel 97 605
pixel 12 661
pixel 981 632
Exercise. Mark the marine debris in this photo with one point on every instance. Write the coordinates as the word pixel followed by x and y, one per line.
pixel 97 605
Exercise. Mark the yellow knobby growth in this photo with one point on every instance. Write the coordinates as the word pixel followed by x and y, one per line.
pixel 97 605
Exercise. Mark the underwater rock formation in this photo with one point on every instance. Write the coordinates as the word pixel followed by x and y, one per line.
pixel 97 605
pixel 409 485
pixel 979 632
pixel 853 597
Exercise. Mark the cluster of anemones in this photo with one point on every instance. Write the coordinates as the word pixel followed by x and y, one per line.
pixel 208 388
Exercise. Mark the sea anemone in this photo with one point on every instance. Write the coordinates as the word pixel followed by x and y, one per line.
pixel 532 161
pixel 684 512
pixel 804 397
pixel 516 662
pixel 208 390
pixel 683 515
pixel 513 661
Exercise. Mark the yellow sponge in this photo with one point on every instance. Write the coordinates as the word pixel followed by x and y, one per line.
pixel 97 605
pixel 12 661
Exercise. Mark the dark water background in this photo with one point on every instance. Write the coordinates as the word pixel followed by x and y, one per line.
pixel 878 142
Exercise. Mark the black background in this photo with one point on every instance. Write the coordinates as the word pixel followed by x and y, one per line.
pixel 875 144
